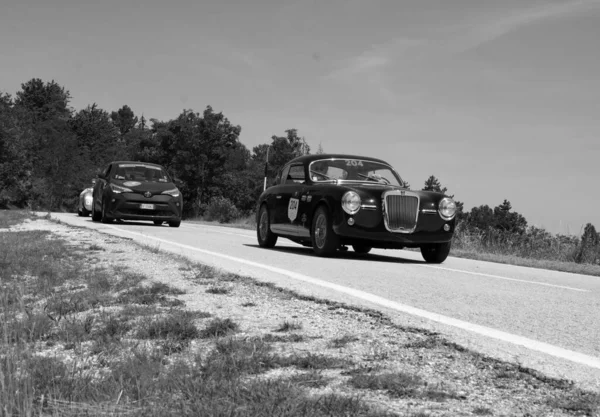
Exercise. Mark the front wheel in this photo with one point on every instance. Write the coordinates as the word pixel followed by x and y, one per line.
pixel 105 218
pixel 324 240
pixel 95 215
pixel 435 253
pixel 266 238
pixel 174 223
pixel 158 222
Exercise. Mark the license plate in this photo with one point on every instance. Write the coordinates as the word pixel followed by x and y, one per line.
pixel 147 206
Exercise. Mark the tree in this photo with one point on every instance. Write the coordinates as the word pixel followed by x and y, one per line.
pixel 433 184
pixel 44 101
pixel 196 149
pixel 15 166
pixel 481 217
pixel 588 250
pixel 97 137
pixel 282 150
pixel 124 119
pixel 508 221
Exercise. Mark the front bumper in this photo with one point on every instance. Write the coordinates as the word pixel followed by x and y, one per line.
pixel 131 206
pixel 369 230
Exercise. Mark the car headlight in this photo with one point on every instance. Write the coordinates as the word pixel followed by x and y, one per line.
pixel 173 193
pixel 447 208
pixel 117 189
pixel 351 202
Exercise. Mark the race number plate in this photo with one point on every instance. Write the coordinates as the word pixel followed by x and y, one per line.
pixel 147 206
pixel 293 209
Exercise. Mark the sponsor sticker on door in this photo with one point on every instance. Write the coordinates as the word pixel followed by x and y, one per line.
pixel 293 209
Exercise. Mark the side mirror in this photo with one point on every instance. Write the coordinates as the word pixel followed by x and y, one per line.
pixel 177 182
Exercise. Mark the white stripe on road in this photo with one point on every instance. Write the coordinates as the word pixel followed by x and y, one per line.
pixel 213 229
pixel 534 345
pixel 564 287
pixel 506 278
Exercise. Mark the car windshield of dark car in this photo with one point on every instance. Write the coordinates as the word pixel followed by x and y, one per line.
pixel 354 170
pixel 140 173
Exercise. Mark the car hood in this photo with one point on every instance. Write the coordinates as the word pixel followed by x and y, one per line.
pixel 140 187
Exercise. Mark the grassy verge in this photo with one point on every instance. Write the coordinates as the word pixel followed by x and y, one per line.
pixel 83 337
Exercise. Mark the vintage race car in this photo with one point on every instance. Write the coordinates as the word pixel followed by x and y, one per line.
pixel 331 201
pixel 131 190
pixel 84 203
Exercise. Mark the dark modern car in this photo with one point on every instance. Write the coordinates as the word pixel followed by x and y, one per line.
pixel 84 204
pixel 130 190
pixel 331 201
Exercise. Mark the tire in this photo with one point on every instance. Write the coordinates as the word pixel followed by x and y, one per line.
pixel 158 222
pixel 362 249
pixel 175 223
pixel 104 217
pixel 84 212
pixel 435 253
pixel 79 213
pixel 266 238
pixel 95 215
pixel 324 240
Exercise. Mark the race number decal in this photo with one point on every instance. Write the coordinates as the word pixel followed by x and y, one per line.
pixel 293 209
pixel 353 163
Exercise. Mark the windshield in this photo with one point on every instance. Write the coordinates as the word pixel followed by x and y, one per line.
pixel 141 173
pixel 324 170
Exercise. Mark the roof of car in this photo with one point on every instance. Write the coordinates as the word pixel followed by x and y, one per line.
pixel 310 158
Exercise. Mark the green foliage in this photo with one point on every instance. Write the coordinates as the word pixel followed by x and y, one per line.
pixel 433 184
pixel 280 151
pixel 222 210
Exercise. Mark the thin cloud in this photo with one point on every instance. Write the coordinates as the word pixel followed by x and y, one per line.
pixel 480 34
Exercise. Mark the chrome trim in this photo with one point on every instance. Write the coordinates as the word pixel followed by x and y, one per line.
pixel 402 193
pixel 429 211
pixel 368 206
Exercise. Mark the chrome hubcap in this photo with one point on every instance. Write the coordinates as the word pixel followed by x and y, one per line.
pixel 321 231
pixel 264 224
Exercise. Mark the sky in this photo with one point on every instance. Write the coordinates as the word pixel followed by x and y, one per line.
pixel 499 99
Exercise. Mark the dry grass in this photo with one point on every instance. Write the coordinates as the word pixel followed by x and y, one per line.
pixel 78 339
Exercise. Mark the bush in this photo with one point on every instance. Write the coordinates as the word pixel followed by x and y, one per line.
pixel 221 209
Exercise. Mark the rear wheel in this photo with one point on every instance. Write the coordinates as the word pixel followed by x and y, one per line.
pixel 173 223
pixel 435 253
pixel 324 240
pixel 105 218
pixel 362 249
pixel 266 238
pixel 84 212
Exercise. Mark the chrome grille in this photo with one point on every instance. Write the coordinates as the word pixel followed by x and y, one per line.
pixel 401 211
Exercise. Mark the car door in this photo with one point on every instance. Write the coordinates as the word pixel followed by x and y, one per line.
pixel 287 200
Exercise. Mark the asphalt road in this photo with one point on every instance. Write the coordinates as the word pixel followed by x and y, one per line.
pixel 546 320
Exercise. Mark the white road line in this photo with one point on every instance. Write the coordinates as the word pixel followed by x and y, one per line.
pixel 505 278
pixel 213 229
pixel 564 287
pixel 535 345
